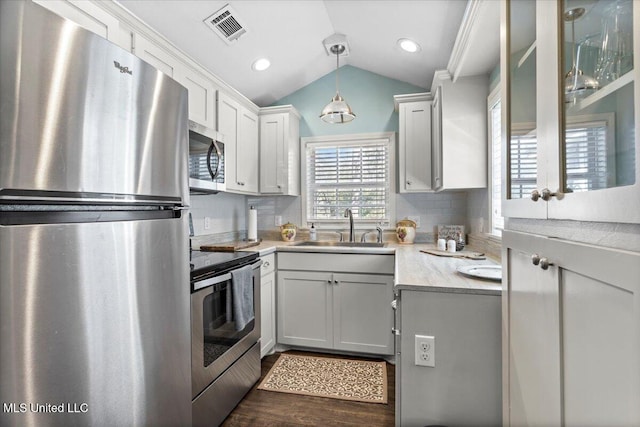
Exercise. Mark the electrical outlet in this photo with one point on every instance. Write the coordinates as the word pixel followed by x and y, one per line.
pixel 425 351
pixel 207 222
pixel 415 219
pixel 278 220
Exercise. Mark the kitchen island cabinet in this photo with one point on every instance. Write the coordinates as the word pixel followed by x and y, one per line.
pixel 464 316
pixel 322 306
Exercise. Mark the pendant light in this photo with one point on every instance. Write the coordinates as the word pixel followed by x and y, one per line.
pixel 576 83
pixel 337 111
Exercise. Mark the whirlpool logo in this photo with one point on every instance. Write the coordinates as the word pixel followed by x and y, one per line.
pixel 122 68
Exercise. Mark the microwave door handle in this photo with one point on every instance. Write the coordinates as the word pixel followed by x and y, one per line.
pixel 212 147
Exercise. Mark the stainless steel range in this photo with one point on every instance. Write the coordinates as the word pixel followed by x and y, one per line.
pixel 225 353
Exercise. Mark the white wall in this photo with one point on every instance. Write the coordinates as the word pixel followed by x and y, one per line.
pixel 227 213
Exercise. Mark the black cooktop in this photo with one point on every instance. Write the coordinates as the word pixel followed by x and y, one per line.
pixel 205 264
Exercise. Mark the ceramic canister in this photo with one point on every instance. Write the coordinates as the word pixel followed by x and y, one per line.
pixel 406 231
pixel 288 232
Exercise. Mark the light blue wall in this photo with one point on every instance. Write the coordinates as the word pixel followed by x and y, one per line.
pixel 370 96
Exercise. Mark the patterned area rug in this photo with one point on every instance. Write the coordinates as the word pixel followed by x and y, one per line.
pixel 345 379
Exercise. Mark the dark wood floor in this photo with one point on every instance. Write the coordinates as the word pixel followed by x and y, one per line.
pixel 269 408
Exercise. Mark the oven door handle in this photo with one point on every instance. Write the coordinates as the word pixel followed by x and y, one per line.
pixel 219 279
pixel 211 281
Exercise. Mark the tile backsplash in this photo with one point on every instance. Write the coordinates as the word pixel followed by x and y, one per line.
pixel 227 212
pixel 432 208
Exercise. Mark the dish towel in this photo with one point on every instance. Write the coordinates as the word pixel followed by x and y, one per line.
pixel 242 285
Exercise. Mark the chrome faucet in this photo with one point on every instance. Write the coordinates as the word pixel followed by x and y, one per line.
pixel 349 214
pixel 363 238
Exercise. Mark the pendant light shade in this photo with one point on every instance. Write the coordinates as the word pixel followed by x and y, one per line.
pixel 337 111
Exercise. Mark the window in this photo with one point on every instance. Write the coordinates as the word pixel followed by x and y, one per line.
pixel 495 138
pixel 589 139
pixel 349 171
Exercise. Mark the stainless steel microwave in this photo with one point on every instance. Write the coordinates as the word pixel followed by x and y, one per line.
pixel 206 160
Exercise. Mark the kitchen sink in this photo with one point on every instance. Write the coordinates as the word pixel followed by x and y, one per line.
pixel 341 244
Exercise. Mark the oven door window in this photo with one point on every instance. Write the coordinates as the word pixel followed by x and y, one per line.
pixel 219 327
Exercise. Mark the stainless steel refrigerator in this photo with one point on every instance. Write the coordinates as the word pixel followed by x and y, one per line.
pixel 94 268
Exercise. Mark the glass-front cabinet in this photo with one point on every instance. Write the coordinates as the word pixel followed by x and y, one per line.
pixel 571 122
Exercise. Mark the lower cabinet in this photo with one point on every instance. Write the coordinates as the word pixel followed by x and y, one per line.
pixel 339 311
pixel 267 305
pixel 571 327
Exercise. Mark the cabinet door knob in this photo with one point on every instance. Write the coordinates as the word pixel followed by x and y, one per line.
pixel 535 195
pixel 544 263
pixel 335 282
pixel 408 182
pixel 535 259
pixel 279 186
pixel 547 194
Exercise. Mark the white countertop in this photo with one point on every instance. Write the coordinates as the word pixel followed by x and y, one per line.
pixel 415 270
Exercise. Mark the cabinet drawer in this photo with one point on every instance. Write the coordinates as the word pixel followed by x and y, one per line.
pixel 337 263
pixel 268 264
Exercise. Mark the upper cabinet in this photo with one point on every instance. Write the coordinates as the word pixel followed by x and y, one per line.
pixel 414 141
pixel 202 91
pixel 570 114
pixel 280 150
pixel 459 132
pixel 443 135
pixel 202 96
pixel 239 128
pixel 88 16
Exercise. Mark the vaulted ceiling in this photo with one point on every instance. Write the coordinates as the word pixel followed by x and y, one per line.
pixel 290 34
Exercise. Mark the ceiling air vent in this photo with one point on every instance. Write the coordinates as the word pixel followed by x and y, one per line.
pixel 226 24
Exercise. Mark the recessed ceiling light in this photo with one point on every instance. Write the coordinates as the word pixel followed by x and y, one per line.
pixel 408 45
pixel 261 64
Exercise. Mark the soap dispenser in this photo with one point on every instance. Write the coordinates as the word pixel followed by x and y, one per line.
pixel 312 233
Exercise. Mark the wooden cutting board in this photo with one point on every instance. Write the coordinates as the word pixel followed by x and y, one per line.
pixel 463 254
pixel 230 246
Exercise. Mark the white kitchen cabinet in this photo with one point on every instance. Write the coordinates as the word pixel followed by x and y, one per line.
pixel 459 132
pixel 414 142
pixel 321 305
pixel 280 150
pixel 436 139
pixel 202 96
pixel 568 159
pixel 155 55
pixel 267 305
pixel 247 152
pixel 239 128
pixel 571 333
pixel 202 91
pixel 87 15
pixel 362 315
pixel 305 309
